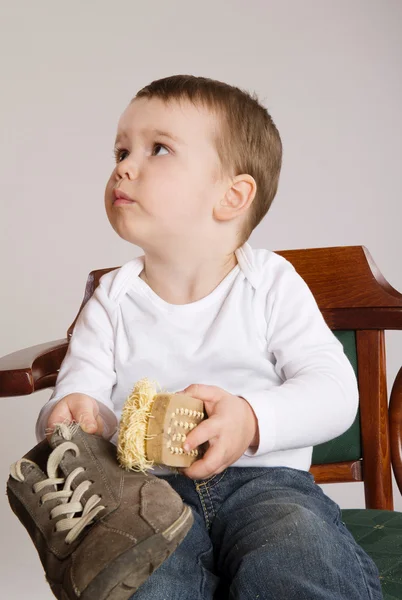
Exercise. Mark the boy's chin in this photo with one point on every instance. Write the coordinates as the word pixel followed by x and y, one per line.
pixel 149 241
pixel 126 234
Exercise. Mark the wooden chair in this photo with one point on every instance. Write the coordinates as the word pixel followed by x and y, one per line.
pixel 358 304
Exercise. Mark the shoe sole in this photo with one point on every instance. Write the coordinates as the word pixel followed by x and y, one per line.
pixel 121 579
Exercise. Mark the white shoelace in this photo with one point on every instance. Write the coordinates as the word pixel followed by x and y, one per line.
pixel 70 500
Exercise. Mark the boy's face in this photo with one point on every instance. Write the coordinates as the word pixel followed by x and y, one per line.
pixel 167 163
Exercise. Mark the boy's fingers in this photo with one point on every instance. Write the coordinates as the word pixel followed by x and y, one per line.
pixel 83 412
pixel 204 432
pixel 99 422
pixel 60 414
pixel 210 464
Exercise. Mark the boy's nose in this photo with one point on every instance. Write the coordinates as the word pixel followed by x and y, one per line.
pixel 126 169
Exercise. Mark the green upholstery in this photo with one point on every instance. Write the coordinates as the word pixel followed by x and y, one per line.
pixel 379 533
pixel 346 446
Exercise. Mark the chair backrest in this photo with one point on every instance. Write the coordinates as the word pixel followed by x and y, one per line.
pixel 358 305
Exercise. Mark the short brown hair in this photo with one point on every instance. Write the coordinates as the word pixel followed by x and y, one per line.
pixel 249 141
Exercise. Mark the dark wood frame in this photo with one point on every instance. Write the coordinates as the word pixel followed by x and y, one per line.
pixel 352 294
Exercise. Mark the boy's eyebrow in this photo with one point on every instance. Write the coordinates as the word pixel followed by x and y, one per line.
pixel 157 132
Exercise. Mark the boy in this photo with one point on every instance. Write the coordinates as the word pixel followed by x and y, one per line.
pixel 197 168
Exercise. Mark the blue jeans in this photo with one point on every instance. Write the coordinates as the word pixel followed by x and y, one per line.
pixel 268 533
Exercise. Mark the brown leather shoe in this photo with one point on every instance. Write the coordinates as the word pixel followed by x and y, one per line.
pixel 100 531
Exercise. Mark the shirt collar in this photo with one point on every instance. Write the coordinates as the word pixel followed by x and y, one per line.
pixel 246 259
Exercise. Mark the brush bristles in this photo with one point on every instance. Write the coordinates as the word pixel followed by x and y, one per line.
pixel 133 427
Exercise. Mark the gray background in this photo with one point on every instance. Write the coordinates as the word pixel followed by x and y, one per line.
pixel 329 72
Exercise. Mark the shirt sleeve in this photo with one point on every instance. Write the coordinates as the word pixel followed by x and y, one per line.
pixel 88 367
pixel 318 399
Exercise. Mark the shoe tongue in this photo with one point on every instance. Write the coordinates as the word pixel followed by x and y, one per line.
pixel 62 433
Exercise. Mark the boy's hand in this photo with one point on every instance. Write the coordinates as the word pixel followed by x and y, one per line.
pixel 230 429
pixel 80 408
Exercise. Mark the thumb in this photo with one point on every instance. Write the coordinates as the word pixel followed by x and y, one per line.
pixel 85 412
pixel 206 393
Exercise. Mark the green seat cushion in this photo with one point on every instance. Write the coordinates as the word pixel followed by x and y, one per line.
pixel 379 533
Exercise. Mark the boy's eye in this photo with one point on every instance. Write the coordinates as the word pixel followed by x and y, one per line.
pixel 157 146
pixel 120 154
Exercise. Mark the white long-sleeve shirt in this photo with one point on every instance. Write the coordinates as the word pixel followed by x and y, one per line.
pixel 259 334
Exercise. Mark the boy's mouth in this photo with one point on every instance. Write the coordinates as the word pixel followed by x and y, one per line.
pixel 121 201
pixel 121 198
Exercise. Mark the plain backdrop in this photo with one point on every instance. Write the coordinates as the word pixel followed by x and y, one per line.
pixel 330 73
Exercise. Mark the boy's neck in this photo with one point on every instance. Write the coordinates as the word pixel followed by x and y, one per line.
pixel 186 281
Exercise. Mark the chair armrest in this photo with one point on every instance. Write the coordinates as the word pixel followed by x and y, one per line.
pixel 31 369
pixel 395 425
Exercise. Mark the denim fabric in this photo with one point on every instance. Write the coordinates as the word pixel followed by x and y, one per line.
pixel 262 533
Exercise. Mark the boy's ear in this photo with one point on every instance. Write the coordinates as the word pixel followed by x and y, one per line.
pixel 237 198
